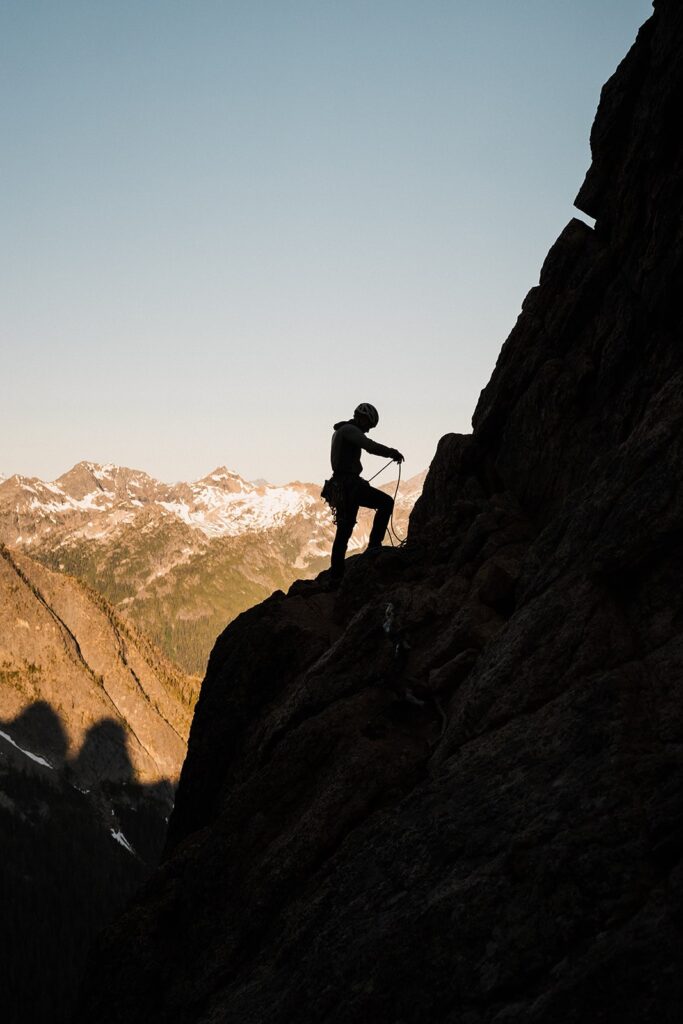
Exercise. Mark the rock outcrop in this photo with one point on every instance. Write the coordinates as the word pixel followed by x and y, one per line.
pixel 454 791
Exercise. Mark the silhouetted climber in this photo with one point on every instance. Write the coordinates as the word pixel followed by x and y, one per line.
pixel 347 491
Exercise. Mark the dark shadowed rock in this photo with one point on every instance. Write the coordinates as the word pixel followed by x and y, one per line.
pixel 454 791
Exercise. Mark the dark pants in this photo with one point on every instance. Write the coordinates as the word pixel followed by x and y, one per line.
pixel 359 494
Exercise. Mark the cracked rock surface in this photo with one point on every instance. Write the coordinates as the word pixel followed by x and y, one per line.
pixel 468 807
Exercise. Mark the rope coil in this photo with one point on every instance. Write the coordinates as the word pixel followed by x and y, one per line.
pixel 391 530
pixel 400 541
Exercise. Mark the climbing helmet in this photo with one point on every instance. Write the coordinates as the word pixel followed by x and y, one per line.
pixel 365 409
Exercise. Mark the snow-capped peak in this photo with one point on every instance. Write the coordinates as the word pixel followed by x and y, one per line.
pixel 225 480
pixel 222 473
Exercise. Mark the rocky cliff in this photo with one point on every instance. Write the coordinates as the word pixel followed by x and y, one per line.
pixel 454 791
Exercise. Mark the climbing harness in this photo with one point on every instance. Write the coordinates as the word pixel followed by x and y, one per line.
pixel 333 494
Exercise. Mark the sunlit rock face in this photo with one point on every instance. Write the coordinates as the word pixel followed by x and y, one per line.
pixel 452 791
pixel 63 646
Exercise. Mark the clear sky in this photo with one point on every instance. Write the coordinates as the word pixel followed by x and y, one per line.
pixel 227 222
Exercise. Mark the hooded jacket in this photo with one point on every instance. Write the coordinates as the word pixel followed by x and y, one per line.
pixel 347 441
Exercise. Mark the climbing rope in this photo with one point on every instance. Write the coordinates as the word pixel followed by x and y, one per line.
pixel 400 541
pixel 382 470
pixel 393 536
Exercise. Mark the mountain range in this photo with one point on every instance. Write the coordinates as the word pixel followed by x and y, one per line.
pixel 178 560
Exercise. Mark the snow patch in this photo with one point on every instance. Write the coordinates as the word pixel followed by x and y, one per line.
pixel 68 504
pixel 34 757
pixel 218 514
pixel 120 838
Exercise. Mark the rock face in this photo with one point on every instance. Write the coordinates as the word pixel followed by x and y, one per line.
pixel 453 792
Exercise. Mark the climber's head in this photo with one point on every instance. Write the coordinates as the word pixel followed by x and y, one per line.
pixel 366 416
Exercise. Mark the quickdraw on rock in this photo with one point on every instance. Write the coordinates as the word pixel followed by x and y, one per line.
pixel 406 693
pixel 388 624
pixel 398 642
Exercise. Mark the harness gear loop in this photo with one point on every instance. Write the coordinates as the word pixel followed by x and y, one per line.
pixel 333 493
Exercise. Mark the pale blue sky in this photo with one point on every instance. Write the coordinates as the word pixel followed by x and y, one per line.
pixel 226 222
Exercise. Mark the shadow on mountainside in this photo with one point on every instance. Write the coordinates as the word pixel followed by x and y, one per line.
pixel 78 835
